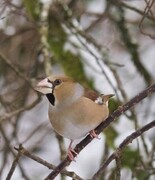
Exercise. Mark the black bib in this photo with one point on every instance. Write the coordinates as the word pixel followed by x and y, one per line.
pixel 51 98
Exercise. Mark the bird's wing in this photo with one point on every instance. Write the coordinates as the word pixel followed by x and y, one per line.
pixel 90 94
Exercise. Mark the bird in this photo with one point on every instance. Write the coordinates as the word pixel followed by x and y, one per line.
pixel 74 111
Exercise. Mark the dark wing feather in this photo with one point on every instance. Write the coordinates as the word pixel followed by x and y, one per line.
pixel 91 94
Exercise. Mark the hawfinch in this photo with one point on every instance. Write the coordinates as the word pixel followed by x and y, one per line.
pixel 73 111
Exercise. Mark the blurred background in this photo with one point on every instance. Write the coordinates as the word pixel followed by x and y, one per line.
pixel 106 45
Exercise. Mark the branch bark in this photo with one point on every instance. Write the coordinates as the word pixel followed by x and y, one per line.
pixel 147 92
pixel 116 154
pixel 22 151
pixel 14 164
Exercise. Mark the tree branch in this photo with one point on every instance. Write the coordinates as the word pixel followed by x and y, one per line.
pixel 122 146
pixel 17 111
pixel 147 92
pixel 16 70
pixel 14 164
pixel 28 154
pixel 147 11
pixel 136 10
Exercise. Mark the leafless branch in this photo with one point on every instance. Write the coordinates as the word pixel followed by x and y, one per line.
pixel 15 112
pixel 147 11
pixel 28 154
pixel 14 164
pixel 136 10
pixel 15 69
pixel 122 146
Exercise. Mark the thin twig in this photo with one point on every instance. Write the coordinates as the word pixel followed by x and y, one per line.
pixel 136 10
pixel 17 111
pixel 44 37
pixel 14 164
pixel 98 60
pixel 147 9
pixel 130 45
pixel 121 147
pixel 118 167
pixel 8 148
pixel 15 69
pixel 28 154
pixel 61 146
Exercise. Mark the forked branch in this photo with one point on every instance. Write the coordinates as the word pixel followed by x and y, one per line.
pixel 116 154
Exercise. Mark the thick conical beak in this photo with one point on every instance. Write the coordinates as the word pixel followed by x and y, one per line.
pixel 44 86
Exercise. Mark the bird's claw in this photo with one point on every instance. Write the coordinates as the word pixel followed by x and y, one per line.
pixel 93 134
pixel 70 154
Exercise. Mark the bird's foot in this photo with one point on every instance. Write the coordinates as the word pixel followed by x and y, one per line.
pixel 71 153
pixel 93 134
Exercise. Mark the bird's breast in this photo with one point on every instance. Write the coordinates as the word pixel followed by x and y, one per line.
pixel 76 120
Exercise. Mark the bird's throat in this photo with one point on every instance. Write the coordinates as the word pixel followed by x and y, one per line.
pixel 51 98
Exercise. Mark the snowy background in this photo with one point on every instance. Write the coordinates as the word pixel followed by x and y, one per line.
pixel 34 52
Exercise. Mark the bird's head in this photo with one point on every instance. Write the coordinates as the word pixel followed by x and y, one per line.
pixel 60 89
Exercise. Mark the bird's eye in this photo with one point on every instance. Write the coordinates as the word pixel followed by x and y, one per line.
pixel 57 82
